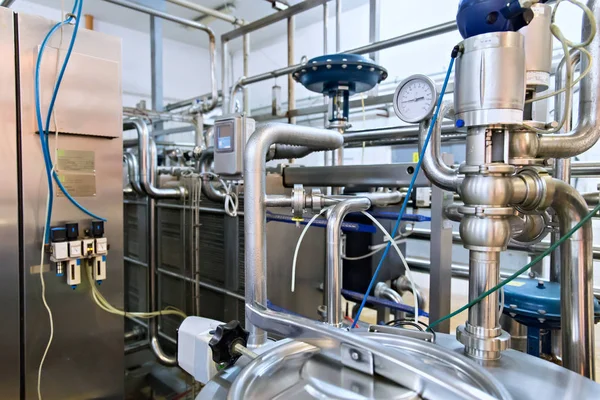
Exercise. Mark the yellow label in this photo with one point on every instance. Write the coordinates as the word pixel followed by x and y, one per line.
pixel 415 157
pixel 517 284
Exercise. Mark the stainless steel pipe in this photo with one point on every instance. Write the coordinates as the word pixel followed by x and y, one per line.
pixel 208 11
pixel 587 132
pixel 148 163
pixel 383 291
pixel 255 179
pixel 434 167
pixel 333 275
pixel 212 46
pixel 162 357
pixel 133 172
pixel 577 269
pixel 562 166
pixel 484 274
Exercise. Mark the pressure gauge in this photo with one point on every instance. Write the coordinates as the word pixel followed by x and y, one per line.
pixel 415 99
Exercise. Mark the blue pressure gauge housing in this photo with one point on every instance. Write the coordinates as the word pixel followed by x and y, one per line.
pixel 350 72
pixel 476 17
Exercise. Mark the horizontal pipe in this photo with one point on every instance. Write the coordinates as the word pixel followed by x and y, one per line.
pixel 425 234
pixel 390 133
pixel 156 115
pixel 208 11
pixel 135 347
pixel 461 271
pixel 187 279
pixel 271 19
pixel 370 48
pixel 406 38
pixel 145 325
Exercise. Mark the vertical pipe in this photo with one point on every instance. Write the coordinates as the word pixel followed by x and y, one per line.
pixel 374 31
pixel 152 275
pixel 338 26
pixel 291 27
pixel 326 154
pixel 246 53
pixel 576 290
pixel 562 166
pixel 156 57
pixel 484 274
pixel 333 275
pixel 225 74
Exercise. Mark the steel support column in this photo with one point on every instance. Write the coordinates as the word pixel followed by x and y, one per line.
pixel 440 276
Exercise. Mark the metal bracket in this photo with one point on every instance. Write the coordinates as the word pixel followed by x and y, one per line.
pixel 426 336
pixel 358 359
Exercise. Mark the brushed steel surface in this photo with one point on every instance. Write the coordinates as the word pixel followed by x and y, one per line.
pixel 576 277
pixel 310 272
pixel 538 47
pixel 86 357
pixel 9 234
pixel 493 59
pixel 255 235
pixel 524 377
pixel 333 276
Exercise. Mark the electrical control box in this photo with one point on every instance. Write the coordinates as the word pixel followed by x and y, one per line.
pixel 231 134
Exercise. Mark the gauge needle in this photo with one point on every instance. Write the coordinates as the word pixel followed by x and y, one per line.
pixel 414 100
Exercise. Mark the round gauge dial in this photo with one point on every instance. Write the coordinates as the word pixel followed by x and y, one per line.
pixel 415 99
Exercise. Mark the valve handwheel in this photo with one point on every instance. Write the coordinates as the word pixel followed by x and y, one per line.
pixel 226 337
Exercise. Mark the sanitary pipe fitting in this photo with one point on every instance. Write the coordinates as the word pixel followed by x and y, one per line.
pixel 523 147
pixel 532 189
pixel 482 335
pixel 483 344
pixel 484 232
pixel 298 202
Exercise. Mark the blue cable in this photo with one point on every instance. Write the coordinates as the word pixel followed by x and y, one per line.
pixel 75 14
pixel 410 187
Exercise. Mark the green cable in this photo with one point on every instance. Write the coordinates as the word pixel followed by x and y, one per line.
pixel 521 271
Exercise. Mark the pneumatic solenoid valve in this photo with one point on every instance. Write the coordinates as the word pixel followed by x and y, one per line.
pixel 69 251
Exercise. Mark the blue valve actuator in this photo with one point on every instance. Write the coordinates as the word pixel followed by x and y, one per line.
pixel 476 17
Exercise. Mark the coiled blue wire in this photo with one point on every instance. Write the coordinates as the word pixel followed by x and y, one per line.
pixel 410 188
pixel 43 129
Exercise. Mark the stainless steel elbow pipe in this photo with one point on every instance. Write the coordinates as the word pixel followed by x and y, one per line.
pixel 133 172
pixel 255 179
pixel 587 132
pixel 162 357
pixel 383 291
pixel 208 189
pixel 212 43
pixel 577 268
pixel 333 275
pixel 434 167
pixel 148 163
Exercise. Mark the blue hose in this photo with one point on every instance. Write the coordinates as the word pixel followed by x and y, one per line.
pixel 355 296
pixel 393 216
pixel 44 129
pixel 410 187
pixel 322 223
